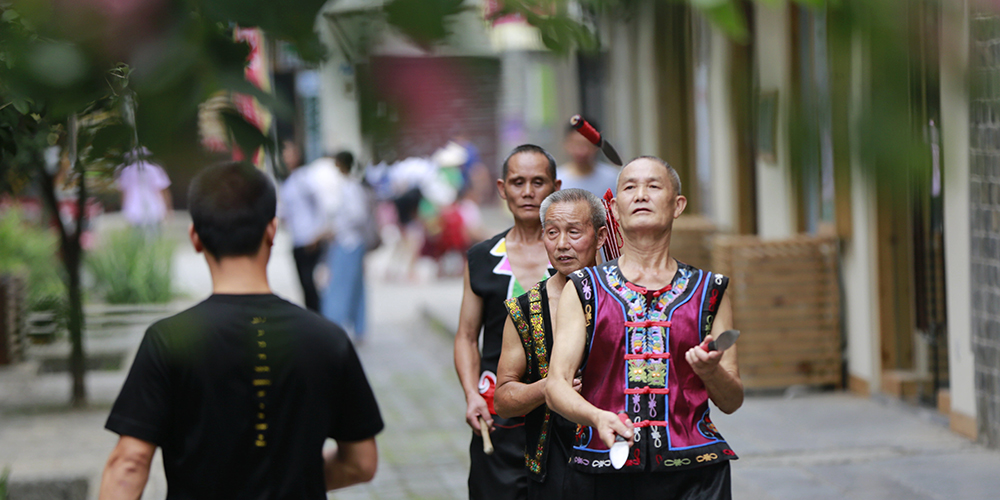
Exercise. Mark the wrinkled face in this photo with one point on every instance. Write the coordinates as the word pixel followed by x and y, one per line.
pixel 569 236
pixel 579 149
pixel 645 197
pixel 528 183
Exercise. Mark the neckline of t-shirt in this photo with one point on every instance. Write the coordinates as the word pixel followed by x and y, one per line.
pixel 229 297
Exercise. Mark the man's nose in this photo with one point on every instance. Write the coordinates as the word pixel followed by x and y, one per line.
pixel 562 242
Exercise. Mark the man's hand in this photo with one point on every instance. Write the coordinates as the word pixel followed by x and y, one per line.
pixel 475 408
pixel 719 370
pixel 705 363
pixel 609 426
pixel 578 384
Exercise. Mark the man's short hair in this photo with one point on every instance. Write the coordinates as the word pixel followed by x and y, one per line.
pixel 675 179
pixel 598 216
pixel 231 205
pixel 344 160
pixel 529 148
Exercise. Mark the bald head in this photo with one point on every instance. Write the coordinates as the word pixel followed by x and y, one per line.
pixel 675 180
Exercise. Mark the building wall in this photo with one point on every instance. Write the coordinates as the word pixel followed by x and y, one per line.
pixel 984 186
pixel 338 100
pixel 859 259
pixel 956 153
pixel 775 209
pixel 723 136
pixel 620 116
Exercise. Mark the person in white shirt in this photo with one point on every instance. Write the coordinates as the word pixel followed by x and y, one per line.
pixel 583 170
pixel 301 212
pixel 146 200
pixel 343 301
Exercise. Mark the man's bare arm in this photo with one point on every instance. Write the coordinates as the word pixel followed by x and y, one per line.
pixel 470 321
pixel 513 397
pixel 351 462
pixel 127 469
pixel 719 371
pixel 568 344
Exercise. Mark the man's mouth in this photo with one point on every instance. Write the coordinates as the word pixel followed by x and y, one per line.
pixel 565 258
pixel 641 209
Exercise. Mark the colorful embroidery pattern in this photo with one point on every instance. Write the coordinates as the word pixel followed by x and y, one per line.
pixel 647 332
pixel 647 327
pixel 533 340
pixel 517 316
pixel 538 330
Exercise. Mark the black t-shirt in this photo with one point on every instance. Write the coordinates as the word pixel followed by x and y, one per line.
pixel 240 392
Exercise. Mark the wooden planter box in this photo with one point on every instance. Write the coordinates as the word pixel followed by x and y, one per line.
pixel 786 302
pixel 12 319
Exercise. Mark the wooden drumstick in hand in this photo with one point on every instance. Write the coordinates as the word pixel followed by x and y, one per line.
pixel 485 430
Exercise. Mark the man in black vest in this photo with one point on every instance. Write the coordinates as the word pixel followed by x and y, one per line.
pixel 502 267
pixel 574 226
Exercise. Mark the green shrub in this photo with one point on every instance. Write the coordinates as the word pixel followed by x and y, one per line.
pixel 132 268
pixel 31 250
pixel 4 477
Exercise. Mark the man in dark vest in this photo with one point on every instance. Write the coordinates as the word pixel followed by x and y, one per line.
pixel 638 328
pixel 502 267
pixel 574 226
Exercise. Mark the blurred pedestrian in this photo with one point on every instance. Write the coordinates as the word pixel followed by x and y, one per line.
pixel 146 199
pixel 583 170
pixel 502 267
pixel 301 212
pixel 344 297
pixel 242 390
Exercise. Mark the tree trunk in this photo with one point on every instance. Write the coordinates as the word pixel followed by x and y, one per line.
pixel 71 254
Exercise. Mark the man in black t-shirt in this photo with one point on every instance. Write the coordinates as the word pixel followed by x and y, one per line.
pixel 242 390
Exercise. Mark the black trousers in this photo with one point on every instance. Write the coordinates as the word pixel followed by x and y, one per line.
pixel 712 482
pixel 500 476
pixel 306 259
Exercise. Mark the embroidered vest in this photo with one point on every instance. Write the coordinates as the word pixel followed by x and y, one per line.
pixel 634 363
pixel 544 429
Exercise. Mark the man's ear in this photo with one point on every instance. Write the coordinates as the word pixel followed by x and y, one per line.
pixel 614 208
pixel 558 184
pixel 195 239
pixel 602 236
pixel 270 231
pixel 681 203
pixel 503 194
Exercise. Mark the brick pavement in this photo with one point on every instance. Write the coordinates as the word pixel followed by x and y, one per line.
pixel 816 446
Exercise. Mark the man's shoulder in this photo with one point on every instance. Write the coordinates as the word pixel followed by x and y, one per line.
pixel 486 246
pixel 219 313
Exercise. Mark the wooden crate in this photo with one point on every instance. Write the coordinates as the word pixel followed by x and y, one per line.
pixel 786 302
pixel 691 240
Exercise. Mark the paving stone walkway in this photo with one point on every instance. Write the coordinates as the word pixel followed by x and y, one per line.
pixel 811 446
